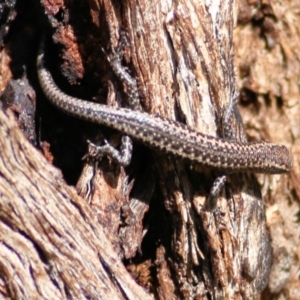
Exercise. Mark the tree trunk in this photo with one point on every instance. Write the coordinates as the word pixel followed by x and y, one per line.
pixel 140 232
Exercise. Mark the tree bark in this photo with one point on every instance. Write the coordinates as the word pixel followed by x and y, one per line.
pixel 52 247
pixel 141 232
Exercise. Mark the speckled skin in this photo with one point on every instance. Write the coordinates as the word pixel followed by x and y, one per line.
pixel 170 136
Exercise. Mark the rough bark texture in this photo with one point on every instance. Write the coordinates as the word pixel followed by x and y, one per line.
pixel 52 246
pixel 267 45
pixel 56 244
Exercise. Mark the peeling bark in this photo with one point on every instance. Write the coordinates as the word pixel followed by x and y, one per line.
pixel 141 232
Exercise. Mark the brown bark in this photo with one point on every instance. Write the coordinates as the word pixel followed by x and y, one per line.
pixel 149 217
pixel 267 59
pixel 51 245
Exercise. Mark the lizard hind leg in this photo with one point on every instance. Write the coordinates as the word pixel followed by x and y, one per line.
pixel 115 61
pixel 122 156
